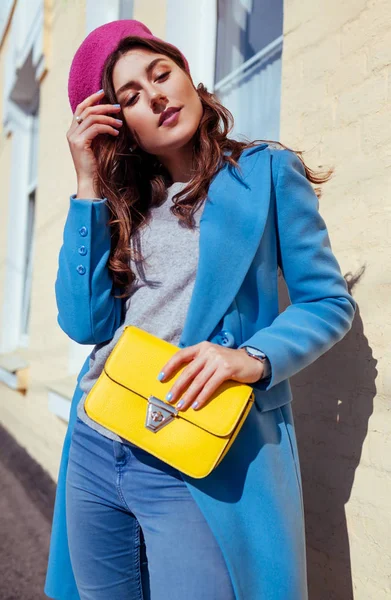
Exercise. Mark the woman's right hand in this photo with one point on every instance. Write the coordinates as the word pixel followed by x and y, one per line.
pixel 80 135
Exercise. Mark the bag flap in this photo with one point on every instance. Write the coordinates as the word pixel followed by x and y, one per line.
pixel 137 359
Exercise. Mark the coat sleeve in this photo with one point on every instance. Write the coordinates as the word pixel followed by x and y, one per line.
pixel 321 310
pixel 87 310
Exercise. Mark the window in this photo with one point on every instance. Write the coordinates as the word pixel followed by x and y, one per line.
pixel 21 118
pixel 248 65
pixel 99 12
pixel 28 270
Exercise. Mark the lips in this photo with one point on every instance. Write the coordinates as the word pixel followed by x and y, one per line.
pixel 167 113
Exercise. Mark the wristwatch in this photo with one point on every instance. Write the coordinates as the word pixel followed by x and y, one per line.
pixel 255 353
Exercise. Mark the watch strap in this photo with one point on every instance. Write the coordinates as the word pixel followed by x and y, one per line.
pixel 261 356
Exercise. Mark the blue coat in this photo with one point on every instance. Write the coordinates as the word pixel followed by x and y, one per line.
pixel 253 500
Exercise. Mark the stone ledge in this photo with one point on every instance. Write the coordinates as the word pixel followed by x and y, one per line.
pixel 14 370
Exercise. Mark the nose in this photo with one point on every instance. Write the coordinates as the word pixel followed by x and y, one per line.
pixel 159 99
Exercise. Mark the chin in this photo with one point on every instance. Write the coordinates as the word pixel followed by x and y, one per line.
pixel 178 140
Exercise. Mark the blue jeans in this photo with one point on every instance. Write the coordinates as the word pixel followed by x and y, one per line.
pixel 134 530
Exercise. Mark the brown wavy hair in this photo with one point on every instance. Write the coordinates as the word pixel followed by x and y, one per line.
pixel 133 182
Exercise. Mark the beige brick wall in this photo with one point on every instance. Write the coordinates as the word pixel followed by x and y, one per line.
pixel 336 86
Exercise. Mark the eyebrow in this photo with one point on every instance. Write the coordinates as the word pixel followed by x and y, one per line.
pixel 132 83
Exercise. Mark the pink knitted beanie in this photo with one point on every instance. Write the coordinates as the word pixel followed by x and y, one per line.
pixel 85 75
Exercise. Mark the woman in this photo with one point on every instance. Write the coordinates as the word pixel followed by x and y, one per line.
pixel 134 527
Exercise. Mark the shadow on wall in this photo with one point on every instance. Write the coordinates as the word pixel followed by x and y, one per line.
pixel 333 400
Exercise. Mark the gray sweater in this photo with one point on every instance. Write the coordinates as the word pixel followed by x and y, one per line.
pixel 160 295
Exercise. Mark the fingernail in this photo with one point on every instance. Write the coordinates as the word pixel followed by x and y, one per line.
pixel 180 404
pixel 100 91
pixel 117 105
pixel 160 376
pixel 194 405
pixel 169 396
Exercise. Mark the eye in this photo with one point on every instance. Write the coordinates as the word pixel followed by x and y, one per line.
pixel 130 101
pixel 160 76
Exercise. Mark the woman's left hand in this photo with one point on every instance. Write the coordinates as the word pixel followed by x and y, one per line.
pixel 210 365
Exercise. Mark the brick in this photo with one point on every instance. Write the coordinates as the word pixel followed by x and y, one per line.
pixel 379 51
pixel 320 119
pixel 372 487
pixel 348 72
pixel 314 64
pixel 370 26
pixel 361 100
pixel 329 19
pixel 380 449
pixel 375 135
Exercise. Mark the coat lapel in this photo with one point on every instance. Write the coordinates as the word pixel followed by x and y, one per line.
pixel 231 228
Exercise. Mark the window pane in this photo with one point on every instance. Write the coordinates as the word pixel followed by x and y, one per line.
pixel 28 264
pixel 248 65
pixel 126 9
pixel 243 29
pixel 33 166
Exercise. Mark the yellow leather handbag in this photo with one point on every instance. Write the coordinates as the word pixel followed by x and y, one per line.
pixel 128 399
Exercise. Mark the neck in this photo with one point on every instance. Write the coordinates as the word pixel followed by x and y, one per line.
pixel 178 163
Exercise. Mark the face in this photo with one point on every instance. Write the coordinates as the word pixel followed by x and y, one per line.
pixel 146 83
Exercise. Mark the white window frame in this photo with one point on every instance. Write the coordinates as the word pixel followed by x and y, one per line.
pixel 25 57
pixel 25 38
pixel 99 12
pixel 6 8
pixel 20 241
pixel 260 57
pixel 191 26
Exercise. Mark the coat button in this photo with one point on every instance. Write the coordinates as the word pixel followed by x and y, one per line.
pixel 83 250
pixel 83 231
pixel 81 269
pixel 226 338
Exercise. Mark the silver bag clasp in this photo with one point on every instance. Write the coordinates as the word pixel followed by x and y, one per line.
pixel 159 414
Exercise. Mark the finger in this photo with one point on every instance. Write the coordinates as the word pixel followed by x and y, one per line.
pixel 88 101
pixel 201 389
pixel 98 109
pixel 91 132
pixel 82 106
pixel 97 112
pixel 100 120
pixel 185 378
pixel 181 356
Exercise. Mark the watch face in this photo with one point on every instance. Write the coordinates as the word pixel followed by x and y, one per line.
pixel 255 352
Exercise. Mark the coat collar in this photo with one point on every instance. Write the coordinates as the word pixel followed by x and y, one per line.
pixel 231 227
